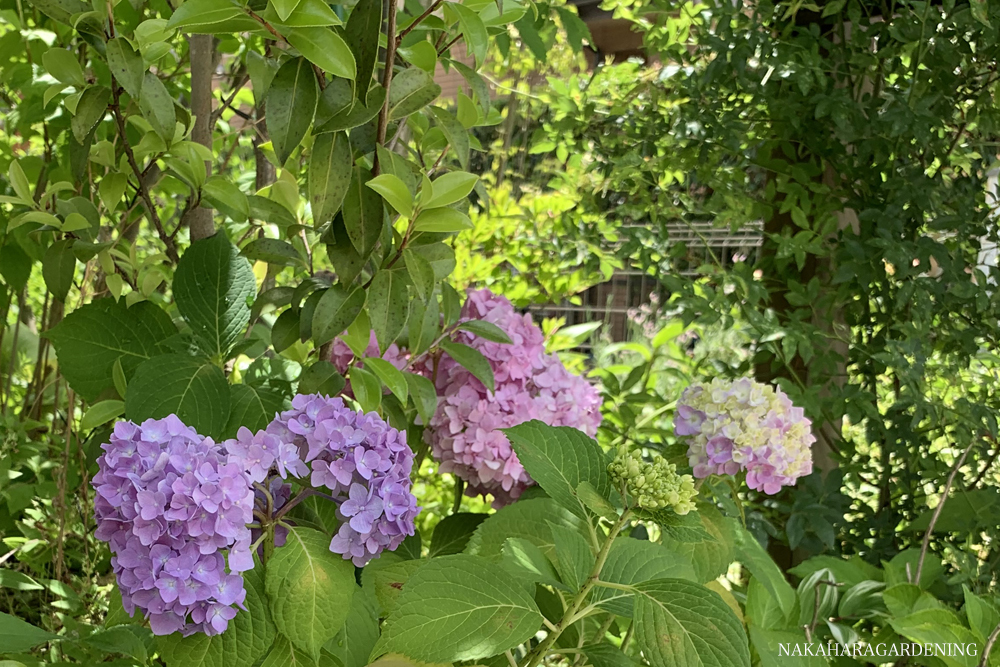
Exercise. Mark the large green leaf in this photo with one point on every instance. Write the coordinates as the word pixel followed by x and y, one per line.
pixel 471 360
pixel 633 561
pixel 705 537
pixel 244 642
pixel 459 608
pixel 683 624
pixel 330 173
pixel 559 458
pixel 453 532
pixel 212 286
pixel 193 388
pixel 387 305
pixel 17 635
pixel 91 339
pixel 531 519
pixel 310 589
pixel 291 103
pixel 252 407
pixel 355 641
pixel 752 555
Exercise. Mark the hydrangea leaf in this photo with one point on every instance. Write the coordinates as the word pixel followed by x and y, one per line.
pixel 310 589
pixel 192 388
pixel 453 533
pixel 687 625
pixel 531 519
pixel 559 458
pixel 252 407
pixel 17 635
pixel 93 337
pixel 212 286
pixel 355 641
pixel 247 638
pixel 702 536
pixel 459 608
pixel 633 561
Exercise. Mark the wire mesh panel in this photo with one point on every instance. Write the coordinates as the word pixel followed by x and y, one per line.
pixel 621 300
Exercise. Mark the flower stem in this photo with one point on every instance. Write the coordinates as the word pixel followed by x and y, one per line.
pixel 535 657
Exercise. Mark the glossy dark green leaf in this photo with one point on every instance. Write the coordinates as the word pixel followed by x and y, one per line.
pixel 471 360
pixel 285 330
pixel 364 216
pixel 126 65
pixel 424 324
pixel 272 251
pixel 157 107
pixel 387 306
pixel 336 310
pixel 421 274
pixel 486 330
pixel 90 110
pixel 473 30
pixel 271 211
pixel 344 257
pixel 325 48
pixel 411 90
pixel 329 176
pixel 362 33
pixel 321 378
pixel 423 394
pixel 58 268
pixel 291 103
pixel 356 115
pixel 454 132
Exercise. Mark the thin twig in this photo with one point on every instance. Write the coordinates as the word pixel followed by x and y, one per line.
pixel 990 642
pixel 427 12
pixel 390 58
pixel 171 249
pixel 937 512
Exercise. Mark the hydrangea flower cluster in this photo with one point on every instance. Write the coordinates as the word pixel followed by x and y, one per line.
pixel 745 425
pixel 653 484
pixel 530 384
pixel 358 459
pixel 169 502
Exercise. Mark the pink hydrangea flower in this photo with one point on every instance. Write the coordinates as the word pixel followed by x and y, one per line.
pixel 745 425
pixel 530 384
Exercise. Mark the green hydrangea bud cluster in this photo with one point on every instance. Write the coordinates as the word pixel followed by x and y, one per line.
pixel 653 484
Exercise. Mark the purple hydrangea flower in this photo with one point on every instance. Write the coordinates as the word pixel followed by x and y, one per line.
pixel 355 458
pixel 745 425
pixel 168 503
pixel 530 384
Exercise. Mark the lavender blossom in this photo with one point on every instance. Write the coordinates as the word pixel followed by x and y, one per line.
pixel 169 502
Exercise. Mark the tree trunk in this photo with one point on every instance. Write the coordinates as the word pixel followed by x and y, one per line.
pixel 202 49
